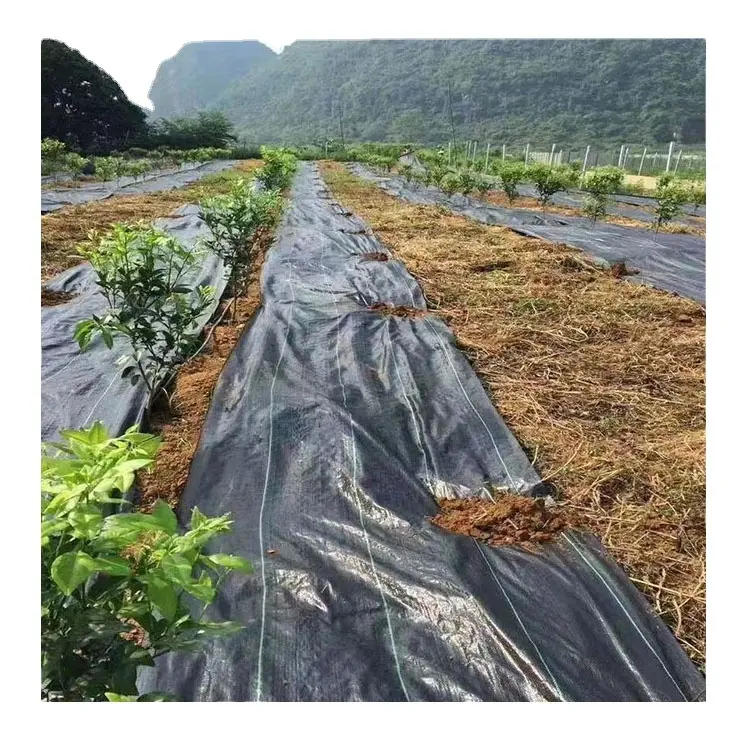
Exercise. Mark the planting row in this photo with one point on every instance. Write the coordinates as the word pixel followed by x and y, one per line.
pixel 343 416
pixel 117 590
pixel 674 262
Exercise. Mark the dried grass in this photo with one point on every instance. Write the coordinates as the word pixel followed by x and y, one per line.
pixel 64 230
pixel 601 380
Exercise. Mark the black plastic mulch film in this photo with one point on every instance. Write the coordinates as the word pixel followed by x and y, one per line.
pixel 673 262
pixel 79 388
pixel 55 199
pixel 330 430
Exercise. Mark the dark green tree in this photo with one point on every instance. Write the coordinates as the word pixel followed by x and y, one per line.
pixel 82 106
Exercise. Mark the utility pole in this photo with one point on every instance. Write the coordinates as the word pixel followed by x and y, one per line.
pixel 450 103
pixel 640 168
pixel 669 155
pixel 341 125
pixel 585 160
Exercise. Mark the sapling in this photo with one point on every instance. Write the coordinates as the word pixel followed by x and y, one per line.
pixel 117 587
pixel 600 183
pixel 235 221
pixel 451 183
pixel 278 168
pixel 142 273
pixel 53 155
pixel 511 174
pixel 669 198
pixel 407 172
pixel 547 182
pixel 76 164
pixel 105 168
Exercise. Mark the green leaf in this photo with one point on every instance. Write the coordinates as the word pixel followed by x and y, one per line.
pixel 202 589
pixel 166 516
pixel 117 698
pixel 163 596
pixel 85 521
pixel 177 568
pixel 71 569
pixel 114 566
pixel 233 562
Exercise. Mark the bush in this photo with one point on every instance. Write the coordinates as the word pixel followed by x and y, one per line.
pixel 670 196
pixel 141 271
pixel 116 588
pixel 105 167
pixel 451 183
pixel 595 206
pixel 604 180
pixel 278 168
pixel 235 220
pixel 511 175
pixel 76 164
pixel 547 181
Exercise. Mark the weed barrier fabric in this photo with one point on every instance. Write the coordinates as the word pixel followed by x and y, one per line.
pixel 79 388
pixel 54 200
pixel 673 262
pixel 330 429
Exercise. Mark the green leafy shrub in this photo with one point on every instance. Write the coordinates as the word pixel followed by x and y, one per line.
pixel 278 168
pixel 116 588
pixel 142 273
pixel 547 181
pixel 467 182
pixel 75 163
pixel 435 173
pixel 105 168
pixel 670 195
pixel 595 206
pixel 235 220
pixel 451 183
pixel 482 185
pixel 511 175
pixel 696 194
pixel 53 156
pixel 407 172
pixel 600 183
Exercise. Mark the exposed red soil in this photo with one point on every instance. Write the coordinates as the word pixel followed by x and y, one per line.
pixel 507 520
pixel 50 298
pixel 398 311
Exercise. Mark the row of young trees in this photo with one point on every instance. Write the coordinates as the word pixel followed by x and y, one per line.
pixel 136 162
pixel 433 169
pixel 119 590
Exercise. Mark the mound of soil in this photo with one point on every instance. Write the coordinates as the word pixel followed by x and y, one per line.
pixel 508 520
pixel 487 267
pixel 50 298
pixel 374 256
pixel 398 311
pixel 618 270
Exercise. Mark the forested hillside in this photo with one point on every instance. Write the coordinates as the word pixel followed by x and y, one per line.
pixel 192 79
pixel 568 91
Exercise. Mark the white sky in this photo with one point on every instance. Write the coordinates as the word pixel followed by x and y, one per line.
pixel 129 39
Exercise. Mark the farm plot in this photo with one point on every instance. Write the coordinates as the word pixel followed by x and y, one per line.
pixel 341 416
pixel 603 383
pixel 54 200
pixel 673 262
pixel 81 387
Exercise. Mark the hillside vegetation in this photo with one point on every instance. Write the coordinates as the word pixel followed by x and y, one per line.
pixel 567 91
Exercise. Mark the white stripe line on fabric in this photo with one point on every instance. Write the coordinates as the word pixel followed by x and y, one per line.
pixel 474 409
pixel 99 400
pixel 258 684
pixel 356 490
pixel 417 431
pixel 627 614
pixel 520 622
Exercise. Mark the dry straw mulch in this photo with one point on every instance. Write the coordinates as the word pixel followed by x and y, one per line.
pixel 602 381
pixel 64 230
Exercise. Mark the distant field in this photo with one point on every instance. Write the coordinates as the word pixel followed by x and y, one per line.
pixel 648 182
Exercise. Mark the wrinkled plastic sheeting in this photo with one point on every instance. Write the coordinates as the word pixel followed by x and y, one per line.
pixel 79 388
pixel 673 262
pixel 330 429
pixel 54 200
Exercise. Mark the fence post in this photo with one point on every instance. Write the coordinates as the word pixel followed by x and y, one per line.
pixel 474 155
pixel 552 154
pixel 449 153
pixel 487 158
pixel 669 155
pixel 619 158
pixel 640 168
pixel 526 157
pixel 585 160
pixel 625 158
pixel 677 163
pixel 503 153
